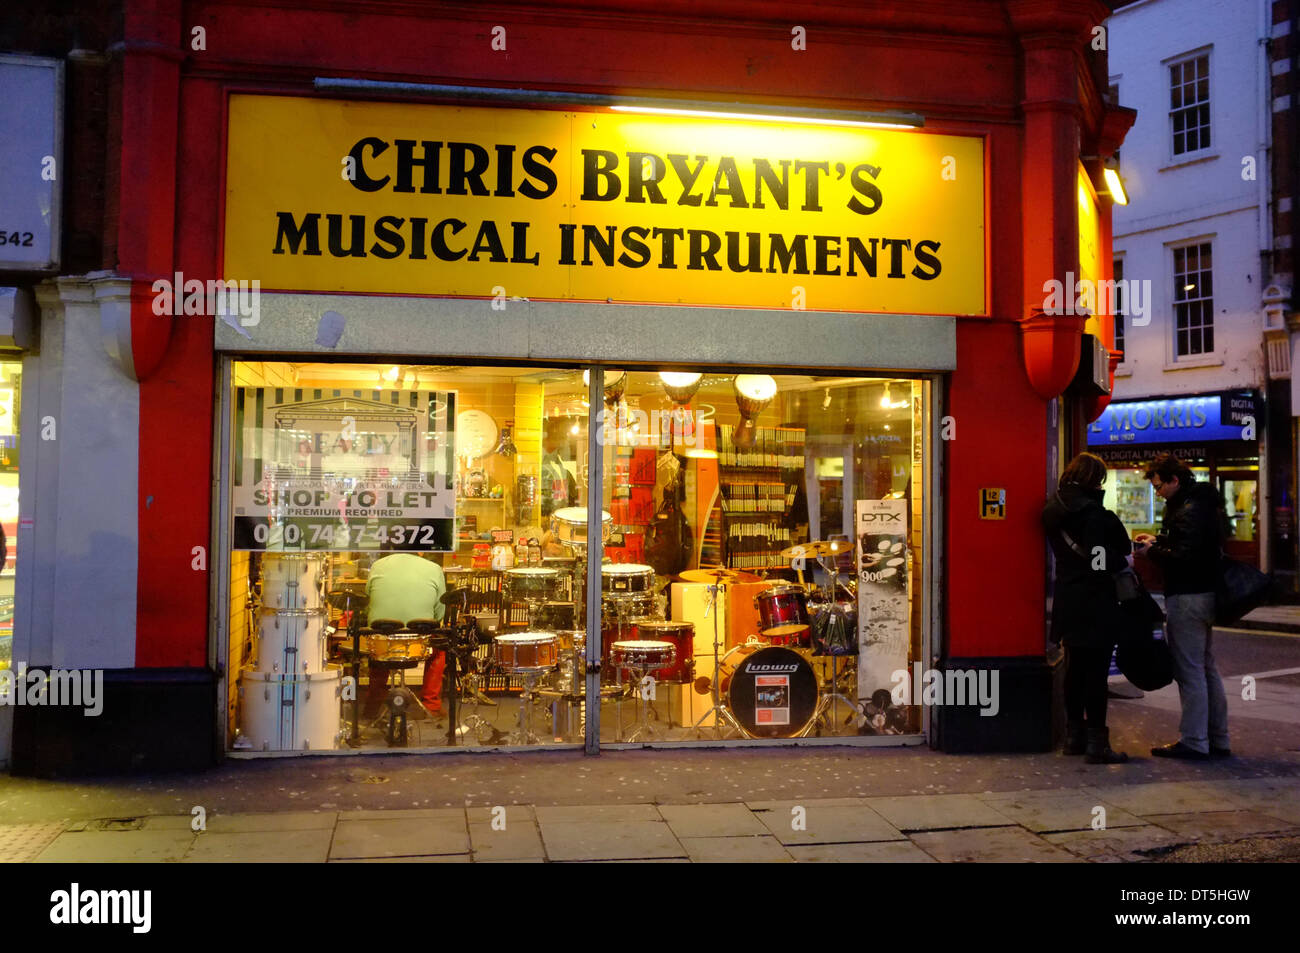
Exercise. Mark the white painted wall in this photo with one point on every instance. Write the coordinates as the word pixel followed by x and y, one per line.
pixel 1172 199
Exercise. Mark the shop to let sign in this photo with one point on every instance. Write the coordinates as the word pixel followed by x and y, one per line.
pixel 342 196
pixel 341 471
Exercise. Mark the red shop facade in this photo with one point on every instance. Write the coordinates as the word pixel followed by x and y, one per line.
pixel 473 233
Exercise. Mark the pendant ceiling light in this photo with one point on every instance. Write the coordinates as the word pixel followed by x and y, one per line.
pixel 753 393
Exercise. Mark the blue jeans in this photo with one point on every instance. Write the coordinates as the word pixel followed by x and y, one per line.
pixel 1200 690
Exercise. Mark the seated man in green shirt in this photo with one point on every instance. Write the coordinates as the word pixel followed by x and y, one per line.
pixel 406 586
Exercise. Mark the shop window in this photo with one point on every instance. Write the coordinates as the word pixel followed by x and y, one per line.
pixel 1193 300
pixel 1189 104
pixel 10 411
pixel 762 571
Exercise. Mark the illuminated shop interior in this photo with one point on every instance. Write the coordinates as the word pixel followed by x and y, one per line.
pixel 408 553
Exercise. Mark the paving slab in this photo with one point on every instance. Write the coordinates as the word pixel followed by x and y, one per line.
pixel 155 822
pixel 928 812
pixel 1212 828
pixel 1158 797
pixel 1042 811
pixel 711 820
pixel 401 837
pixel 261 847
pixel 241 823
pixel 998 845
pixel 423 859
pixel 845 823
pixel 420 813
pixel 1277 797
pixel 608 840
pixel 1120 845
pixel 764 849
pixel 885 852
pixel 89 847
pixel 598 812
pixel 806 802
pixel 515 837
pixel 20 843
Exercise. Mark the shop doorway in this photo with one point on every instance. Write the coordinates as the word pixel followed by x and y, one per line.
pixel 1240 491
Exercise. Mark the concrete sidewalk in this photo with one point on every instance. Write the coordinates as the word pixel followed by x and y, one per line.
pixel 909 804
pixel 1271 619
pixel 1141 822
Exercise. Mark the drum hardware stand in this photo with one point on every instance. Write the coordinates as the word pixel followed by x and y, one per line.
pixel 643 728
pixel 724 713
pixel 832 695
pixel 523 733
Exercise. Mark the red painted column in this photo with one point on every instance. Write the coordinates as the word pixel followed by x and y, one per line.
pixel 175 390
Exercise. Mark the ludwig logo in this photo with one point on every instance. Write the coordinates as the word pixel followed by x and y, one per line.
pixel 751 667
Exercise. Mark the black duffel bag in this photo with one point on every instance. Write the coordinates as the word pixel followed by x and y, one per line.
pixel 1242 589
pixel 1144 659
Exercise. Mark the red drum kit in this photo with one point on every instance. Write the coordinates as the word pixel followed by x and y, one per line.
pixel 767 686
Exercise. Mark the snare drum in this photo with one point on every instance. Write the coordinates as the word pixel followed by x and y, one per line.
pixel 569 524
pixel 291 640
pixel 293 580
pixel 682 637
pixel 791 636
pixel 526 650
pixel 618 607
pixel 530 584
pixel 784 614
pixel 398 647
pixel 626 578
pixel 642 655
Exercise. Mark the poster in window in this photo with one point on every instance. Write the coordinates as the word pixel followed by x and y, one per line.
pixel 343 470
pixel 884 605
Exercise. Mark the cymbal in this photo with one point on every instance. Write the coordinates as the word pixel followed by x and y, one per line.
pixel 717 575
pixel 822 547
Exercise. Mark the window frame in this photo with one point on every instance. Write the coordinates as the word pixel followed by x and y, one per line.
pixel 1189 155
pixel 1174 356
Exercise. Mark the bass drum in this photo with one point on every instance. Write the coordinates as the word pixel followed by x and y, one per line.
pixel 772 691
pixel 290 712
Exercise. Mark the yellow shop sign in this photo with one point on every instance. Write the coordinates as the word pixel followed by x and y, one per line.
pixel 325 195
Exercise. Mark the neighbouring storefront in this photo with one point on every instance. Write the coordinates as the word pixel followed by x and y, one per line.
pixel 1219 436
pixel 502 408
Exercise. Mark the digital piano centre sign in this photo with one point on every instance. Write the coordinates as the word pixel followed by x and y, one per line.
pixel 1175 420
pixel 325 195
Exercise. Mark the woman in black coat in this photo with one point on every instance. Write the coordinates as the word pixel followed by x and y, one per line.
pixel 1090 545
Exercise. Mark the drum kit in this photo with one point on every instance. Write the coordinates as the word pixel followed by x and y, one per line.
pixel 767 686
pixel 289 696
pixel 772 685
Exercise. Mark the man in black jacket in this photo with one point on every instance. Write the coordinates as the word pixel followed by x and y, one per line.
pixel 1187 552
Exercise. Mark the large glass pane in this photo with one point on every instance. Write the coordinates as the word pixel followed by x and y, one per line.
pixel 11 375
pixel 765 567
pixel 408 543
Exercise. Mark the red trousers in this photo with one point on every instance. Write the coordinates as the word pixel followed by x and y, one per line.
pixel 430 691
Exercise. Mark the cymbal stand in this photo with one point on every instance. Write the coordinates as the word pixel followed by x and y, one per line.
pixel 723 712
pixel 831 699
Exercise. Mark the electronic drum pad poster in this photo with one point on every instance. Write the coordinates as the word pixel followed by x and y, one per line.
pixel 336 470
pixel 884 607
